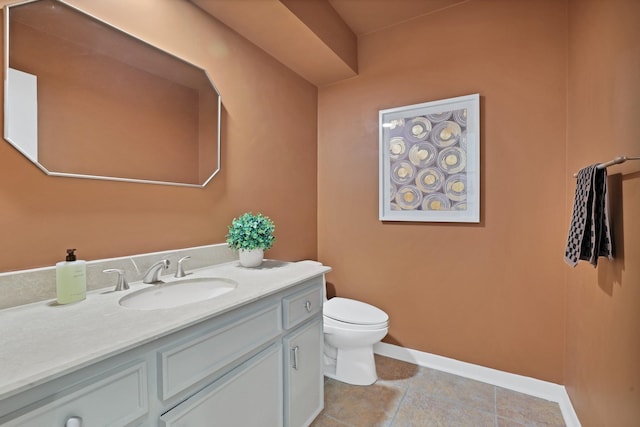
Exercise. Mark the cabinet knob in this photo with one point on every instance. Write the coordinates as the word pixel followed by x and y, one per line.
pixel 307 305
pixel 73 422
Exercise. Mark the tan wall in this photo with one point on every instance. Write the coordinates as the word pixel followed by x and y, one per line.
pixel 268 159
pixel 602 369
pixel 490 293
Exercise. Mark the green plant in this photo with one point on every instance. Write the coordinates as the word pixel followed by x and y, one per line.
pixel 251 232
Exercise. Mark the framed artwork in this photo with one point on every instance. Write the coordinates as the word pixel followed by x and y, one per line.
pixel 430 161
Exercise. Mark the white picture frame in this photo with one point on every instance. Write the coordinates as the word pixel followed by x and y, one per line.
pixel 430 161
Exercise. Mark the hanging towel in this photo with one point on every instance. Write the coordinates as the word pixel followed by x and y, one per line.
pixel 589 233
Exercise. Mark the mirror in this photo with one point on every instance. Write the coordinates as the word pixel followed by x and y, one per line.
pixel 84 99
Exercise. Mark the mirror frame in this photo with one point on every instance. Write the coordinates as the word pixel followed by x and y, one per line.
pixel 7 13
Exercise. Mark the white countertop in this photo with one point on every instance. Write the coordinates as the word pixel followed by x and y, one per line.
pixel 43 341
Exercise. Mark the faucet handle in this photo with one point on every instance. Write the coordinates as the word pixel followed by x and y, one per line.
pixel 180 270
pixel 122 284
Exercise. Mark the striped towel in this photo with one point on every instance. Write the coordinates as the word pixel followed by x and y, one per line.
pixel 589 233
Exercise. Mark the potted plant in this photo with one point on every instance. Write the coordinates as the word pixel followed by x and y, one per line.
pixel 251 235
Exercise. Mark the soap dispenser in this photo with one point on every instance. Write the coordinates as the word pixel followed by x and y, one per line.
pixel 71 279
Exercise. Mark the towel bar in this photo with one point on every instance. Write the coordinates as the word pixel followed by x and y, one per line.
pixel 616 161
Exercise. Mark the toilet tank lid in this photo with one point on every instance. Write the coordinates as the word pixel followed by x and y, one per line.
pixel 352 311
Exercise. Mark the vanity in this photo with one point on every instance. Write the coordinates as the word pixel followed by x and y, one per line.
pixel 248 357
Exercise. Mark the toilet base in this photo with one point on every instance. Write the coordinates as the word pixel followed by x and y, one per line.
pixel 354 366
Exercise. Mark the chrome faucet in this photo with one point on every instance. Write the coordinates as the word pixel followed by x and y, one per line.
pixel 152 274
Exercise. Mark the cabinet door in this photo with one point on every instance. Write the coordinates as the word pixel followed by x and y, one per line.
pixel 115 398
pixel 304 381
pixel 248 396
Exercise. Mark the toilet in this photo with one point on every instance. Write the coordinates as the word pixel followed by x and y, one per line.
pixel 351 328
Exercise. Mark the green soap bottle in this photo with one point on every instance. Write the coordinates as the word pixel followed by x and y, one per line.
pixel 71 279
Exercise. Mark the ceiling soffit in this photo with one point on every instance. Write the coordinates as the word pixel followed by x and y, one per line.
pixel 368 16
pixel 316 38
pixel 308 36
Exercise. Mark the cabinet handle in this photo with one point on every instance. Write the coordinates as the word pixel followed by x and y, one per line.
pixel 73 422
pixel 307 305
pixel 295 357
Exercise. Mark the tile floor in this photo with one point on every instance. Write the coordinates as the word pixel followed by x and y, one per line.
pixel 409 395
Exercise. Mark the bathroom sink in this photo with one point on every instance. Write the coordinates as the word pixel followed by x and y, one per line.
pixel 178 292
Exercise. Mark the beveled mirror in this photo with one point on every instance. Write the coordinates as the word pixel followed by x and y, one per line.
pixel 85 99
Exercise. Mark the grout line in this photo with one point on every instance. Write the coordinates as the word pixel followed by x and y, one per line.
pixel 338 421
pixel 495 405
pixel 395 414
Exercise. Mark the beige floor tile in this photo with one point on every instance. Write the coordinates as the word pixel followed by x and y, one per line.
pixel 394 371
pixel 360 406
pixel 443 386
pixel 527 410
pixel 324 420
pixel 407 395
pixel 504 422
pixel 421 411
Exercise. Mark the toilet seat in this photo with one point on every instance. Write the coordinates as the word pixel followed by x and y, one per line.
pixel 347 312
pixel 332 325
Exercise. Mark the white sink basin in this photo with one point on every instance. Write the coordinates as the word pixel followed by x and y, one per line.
pixel 177 293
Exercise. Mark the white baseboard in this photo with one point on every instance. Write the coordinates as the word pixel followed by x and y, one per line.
pixel 531 386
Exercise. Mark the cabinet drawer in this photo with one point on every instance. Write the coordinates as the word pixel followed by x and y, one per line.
pixel 249 396
pixel 115 398
pixel 303 305
pixel 197 358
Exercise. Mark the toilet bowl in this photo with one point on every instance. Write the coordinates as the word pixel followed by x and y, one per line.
pixel 351 328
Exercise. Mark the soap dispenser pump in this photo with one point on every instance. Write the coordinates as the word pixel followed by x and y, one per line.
pixel 71 279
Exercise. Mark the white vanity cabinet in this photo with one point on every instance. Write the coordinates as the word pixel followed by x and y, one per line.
pixel 256 365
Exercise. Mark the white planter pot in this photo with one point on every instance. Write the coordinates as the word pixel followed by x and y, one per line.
pixel 251 258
